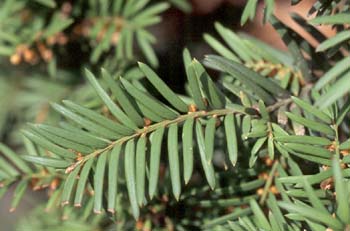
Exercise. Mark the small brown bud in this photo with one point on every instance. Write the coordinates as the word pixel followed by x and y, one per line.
pixel 274 190
pixel 28 55
pixel 47 55
pixel 327 184
pixel 15 59
pixel 331 147
pixel 54 183
pixel 345 152
pixel 115 38
pixel 260 191
pixel 51 40
pixel 192 108
pixel 325 167
pixel 147 122
pixel 79 156
pixel 139 224
pixel 268 162
pixel 263 175
pixel 165 198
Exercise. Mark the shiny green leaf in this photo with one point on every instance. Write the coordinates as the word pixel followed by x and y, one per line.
pixel 162 88
pixel 140 169
pixel 231 138
pixel 129 166
pixel 173 157
pixel 99 182
pixel 156 144
pixel 187 142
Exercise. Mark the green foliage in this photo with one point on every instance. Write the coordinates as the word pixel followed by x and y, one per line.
pixel 125 20
pixel 36 31
pixel 249 11
pixel 265 147
pixel 108 134
pixel 184 5
pixel 58 220
pixel 29 100
pixel 15 171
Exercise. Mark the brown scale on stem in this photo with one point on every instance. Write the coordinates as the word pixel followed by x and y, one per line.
pixel 192 108
pixel 263 175
pixel 345 152
pixel 327 184
pixel 54 184
pixel 147 122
